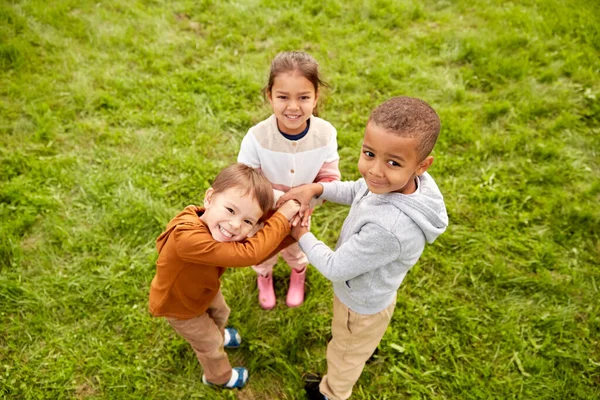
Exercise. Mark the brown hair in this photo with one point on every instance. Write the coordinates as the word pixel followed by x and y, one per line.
pixel 249 180
pixel 409 117
pixel 289 61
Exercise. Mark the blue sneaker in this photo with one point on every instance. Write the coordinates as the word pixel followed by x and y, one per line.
pixel 239 377
pixel 232 339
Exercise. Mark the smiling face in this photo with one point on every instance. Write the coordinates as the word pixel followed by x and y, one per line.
pixel 389 162
pixel 293 99
pixel 230 215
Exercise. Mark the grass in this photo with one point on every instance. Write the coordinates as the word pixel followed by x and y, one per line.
pixel 115 115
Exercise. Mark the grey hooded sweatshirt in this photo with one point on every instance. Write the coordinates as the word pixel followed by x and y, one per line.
pixel 383 236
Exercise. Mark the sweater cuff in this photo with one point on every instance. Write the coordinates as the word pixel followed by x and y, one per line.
pixel 307 241
pixel 328 190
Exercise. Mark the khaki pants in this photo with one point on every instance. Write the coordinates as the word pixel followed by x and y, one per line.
pixel 205 334
pixel 354 339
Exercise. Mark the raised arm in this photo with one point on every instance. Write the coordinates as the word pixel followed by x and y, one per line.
pixel 196 245
pixel 329 172
pixel 366 250
pixel 248 154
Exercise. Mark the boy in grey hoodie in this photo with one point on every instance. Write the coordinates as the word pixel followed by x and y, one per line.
pixel 396 208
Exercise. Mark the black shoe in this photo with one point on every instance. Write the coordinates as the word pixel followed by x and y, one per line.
pixel 311 386
pixel 373 357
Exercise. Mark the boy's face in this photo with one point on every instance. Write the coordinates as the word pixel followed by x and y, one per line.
pixel 293 100
pixel 230 216
pixel 389 163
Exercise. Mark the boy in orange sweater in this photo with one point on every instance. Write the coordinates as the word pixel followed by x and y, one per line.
pixel 194 250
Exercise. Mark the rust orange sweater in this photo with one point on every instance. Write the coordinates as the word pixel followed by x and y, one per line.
pixel 190 262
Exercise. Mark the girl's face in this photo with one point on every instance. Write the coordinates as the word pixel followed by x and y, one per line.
pixel 293 99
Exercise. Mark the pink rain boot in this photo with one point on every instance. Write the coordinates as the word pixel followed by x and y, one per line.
pixel 266 294
pixel 295 295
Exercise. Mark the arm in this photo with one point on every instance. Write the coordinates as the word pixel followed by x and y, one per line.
pixel 196 245
pixel 276 195
pixel 329 172
pixel 370 248
pixel 289 209
pixel 342 192
pixel 248 154
pixel 337 192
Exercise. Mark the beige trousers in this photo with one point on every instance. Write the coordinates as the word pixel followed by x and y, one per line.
pixel 354 339
pixel 205 334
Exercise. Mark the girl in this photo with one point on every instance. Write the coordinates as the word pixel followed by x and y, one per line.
pixel 292 147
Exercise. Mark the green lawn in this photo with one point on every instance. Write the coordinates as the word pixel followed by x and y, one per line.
pixel 114 115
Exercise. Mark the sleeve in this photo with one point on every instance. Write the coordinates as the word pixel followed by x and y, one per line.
pixel 248 153
pixel 340 192
pixel 197 246
pixel 288 240
pixel 329 172
pixel 370 248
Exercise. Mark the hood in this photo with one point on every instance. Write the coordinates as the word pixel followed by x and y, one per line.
pixel 425 207
pixel 190 215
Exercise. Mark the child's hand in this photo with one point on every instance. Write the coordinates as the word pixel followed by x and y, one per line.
pixel 303 194
pixel 289 209
pixel 298 230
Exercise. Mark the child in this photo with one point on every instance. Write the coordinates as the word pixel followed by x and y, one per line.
pixel 194 251
pixel 395 209
pixel 291 147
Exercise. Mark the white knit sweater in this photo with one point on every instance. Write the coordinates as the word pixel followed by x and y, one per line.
pixel 288 163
